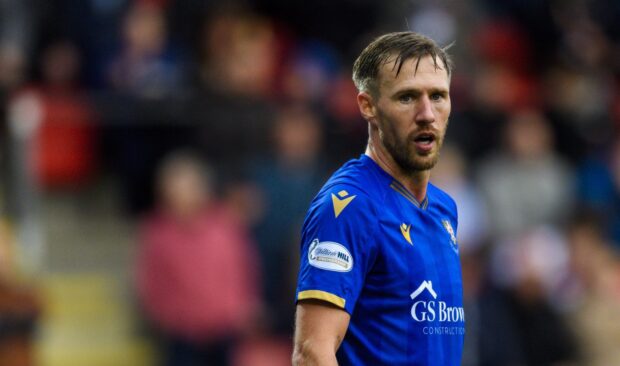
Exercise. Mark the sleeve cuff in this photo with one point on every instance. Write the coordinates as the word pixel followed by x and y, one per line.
pixel 321 295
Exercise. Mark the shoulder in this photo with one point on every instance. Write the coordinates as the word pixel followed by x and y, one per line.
pixel 355 188
pixel 439 194
pixel 344 202
pixel 362 176
pixel 442 199
pixel 350 201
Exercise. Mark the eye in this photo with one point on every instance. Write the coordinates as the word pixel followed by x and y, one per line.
pixel 436 97
pixel 405 98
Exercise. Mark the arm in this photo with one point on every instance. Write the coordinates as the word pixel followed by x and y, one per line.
pixel 319 329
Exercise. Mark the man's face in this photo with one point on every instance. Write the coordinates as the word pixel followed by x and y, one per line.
pixel 412 111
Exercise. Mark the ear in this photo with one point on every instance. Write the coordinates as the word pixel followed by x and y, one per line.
pixel 366 104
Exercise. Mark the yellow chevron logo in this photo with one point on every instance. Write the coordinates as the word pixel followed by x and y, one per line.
pixel 404 229
pixel 341 201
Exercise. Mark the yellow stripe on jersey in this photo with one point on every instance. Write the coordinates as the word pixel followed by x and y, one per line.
pixel 322 295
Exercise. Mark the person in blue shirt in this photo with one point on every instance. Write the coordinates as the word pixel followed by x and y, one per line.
pixel 380 279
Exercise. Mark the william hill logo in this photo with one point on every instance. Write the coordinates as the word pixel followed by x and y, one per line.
pixel 330 256
pixel 343 256
pixel 436 312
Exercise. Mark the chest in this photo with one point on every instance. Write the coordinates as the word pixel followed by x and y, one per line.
pixel 417 246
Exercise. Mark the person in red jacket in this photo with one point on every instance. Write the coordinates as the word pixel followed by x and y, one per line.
pixel 196 268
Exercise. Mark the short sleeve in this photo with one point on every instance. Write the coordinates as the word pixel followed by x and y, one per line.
pixel 338 247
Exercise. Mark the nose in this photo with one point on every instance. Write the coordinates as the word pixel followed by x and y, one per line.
pixel 424 112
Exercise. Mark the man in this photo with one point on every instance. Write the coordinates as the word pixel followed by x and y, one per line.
pixel 380 279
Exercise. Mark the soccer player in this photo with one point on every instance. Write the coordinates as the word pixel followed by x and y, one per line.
pixel 380 280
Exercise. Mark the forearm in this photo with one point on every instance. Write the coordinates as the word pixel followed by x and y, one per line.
pixel 320 328
pixel 307 354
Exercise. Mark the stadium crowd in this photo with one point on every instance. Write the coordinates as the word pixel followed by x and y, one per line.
pixel 221 121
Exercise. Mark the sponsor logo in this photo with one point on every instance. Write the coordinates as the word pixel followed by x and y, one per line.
pixel 404 229
pixel 426 285
pixel 450 230
pixel 330 256
pixel 445 319
pixel 341 201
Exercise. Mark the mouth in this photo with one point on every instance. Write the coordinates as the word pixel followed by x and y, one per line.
pixel 424 141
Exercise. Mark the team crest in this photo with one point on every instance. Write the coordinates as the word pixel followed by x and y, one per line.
pixel 448 226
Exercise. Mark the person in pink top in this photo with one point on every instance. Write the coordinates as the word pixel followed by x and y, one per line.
pixel 196 268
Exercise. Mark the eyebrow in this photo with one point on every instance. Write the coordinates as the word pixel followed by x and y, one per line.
pixel 431 90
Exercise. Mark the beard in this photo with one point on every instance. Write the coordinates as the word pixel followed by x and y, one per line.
pixel 404 153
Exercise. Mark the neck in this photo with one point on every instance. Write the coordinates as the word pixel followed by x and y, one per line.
pixel 415 181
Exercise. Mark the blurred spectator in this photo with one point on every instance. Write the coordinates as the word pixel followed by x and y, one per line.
pixel 533 260
pixel 503 43
pixel 147 65
pixel 239 54
pixel 18 24
pixel 264 351
pixel 488 315
pixel 599 189
pixel 288 180
pixel 346 129
pixel 308 74
pixel 597 270
pixel 230 107
pixel 580 83
pixel 19 309
pixel 197 277
pixel 582 40
pixel 12 68
pixel 488 97
pixel 63 151
pixel 511 319
pixel 498 83
pixel 12 74
pixel 578 104
pixel 436 21
pixel 526 183
pixel 534 20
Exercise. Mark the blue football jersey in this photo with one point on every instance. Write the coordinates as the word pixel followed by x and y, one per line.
pixel 391 262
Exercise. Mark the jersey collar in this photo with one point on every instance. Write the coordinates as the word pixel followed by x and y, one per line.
pixel 396 185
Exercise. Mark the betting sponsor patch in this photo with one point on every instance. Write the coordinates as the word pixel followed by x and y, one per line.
pixel 330 256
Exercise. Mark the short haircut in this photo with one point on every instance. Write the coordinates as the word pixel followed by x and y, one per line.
pixel 401 45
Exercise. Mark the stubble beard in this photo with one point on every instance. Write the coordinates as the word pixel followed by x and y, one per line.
pixel 404 154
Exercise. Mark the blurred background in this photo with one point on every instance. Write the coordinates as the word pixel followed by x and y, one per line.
pixel 157 158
